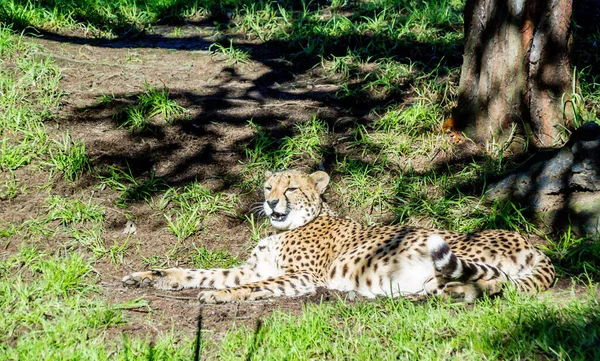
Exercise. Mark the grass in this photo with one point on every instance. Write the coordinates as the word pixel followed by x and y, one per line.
pixel 68 157
pixel 266 152
pixel 231 54
pixel 73 211
pixel 574 256
pixel 203 258
pixel 397 329
pixel 10 186
pixel 50 304
pixel 50 308
pixel 400 55
pixel 191 206
pixel 24 80
pixel 153 101
pixel 130 187
pixel 101 18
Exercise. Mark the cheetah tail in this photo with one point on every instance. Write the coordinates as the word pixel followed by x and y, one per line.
pixel 538 277
pixel 444 259
pixel 452 267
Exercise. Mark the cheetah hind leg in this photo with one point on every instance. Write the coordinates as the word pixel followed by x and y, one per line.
pixel 470 291
pixel 449 289
pixel 294 284
pixel 459 291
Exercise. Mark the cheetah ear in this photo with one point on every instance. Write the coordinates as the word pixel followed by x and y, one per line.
pixel 321 180
pixel 268 174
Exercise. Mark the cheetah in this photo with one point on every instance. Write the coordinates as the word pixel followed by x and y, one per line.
pixel 316 248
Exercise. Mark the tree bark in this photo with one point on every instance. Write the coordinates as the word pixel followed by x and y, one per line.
pixel 516 73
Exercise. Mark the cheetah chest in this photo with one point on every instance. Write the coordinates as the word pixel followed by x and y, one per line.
pixel 309 248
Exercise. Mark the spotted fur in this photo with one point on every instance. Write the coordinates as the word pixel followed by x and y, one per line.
pixel 315 248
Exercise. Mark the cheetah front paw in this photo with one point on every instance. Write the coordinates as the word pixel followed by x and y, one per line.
pixel 159 279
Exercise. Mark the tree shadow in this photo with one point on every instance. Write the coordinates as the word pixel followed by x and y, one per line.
pixel 273 101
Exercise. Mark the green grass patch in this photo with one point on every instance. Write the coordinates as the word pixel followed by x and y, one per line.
pixel 268 152
pixel 68 157
pixel 29 88
pixel 204 258
pixel 577 257
pixel 100 18
pixel 131 188
pixel 10 187
pixel 50 310
pixel 191 206
pixel 231 54
pixel 73 211
pixel 153 101
pixel 365 186
pixel 397 329
pixel 403 133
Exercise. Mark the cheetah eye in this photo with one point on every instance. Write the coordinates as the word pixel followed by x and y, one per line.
pixel 268 188
pixel 291 189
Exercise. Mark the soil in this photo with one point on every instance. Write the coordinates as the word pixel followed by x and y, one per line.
pixel 208 146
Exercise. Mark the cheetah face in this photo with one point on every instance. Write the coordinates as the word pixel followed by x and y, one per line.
pixel 293 198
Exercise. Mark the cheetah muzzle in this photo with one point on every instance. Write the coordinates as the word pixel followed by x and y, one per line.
pixel 315 248
pixel 278 217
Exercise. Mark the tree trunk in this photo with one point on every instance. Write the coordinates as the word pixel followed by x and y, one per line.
pixel 516 74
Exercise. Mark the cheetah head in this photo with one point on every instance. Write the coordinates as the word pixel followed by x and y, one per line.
pixel 293 198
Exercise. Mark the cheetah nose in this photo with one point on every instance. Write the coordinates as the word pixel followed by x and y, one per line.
pixel 273 203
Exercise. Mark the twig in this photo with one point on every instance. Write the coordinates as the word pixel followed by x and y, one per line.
pixel 438 150
pixel 177 297
pixel 140 309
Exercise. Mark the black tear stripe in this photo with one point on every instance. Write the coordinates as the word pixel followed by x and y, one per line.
pixel 304 194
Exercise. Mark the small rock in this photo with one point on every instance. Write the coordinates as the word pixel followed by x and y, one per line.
pixel 130 228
